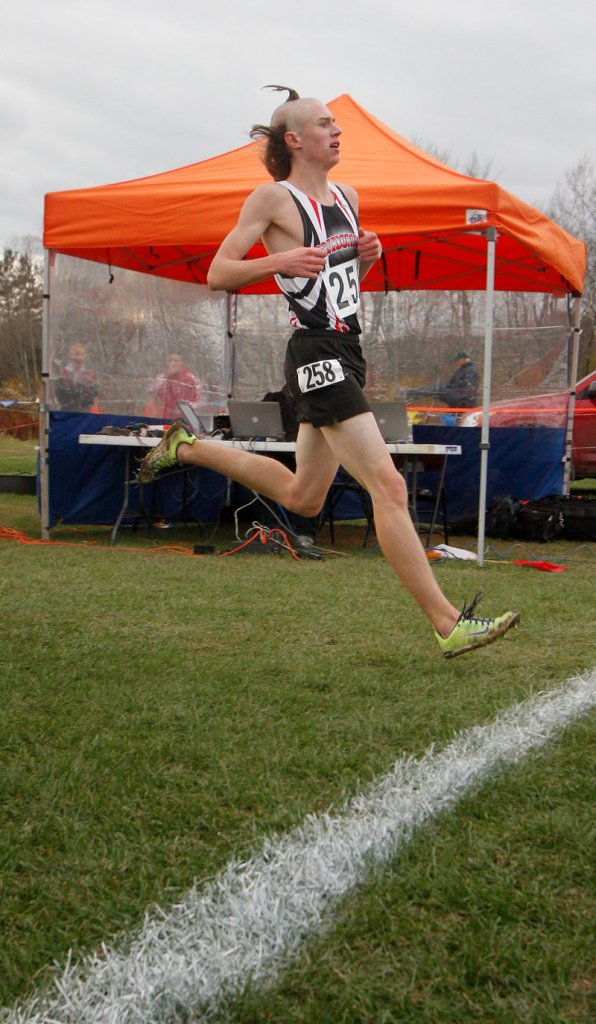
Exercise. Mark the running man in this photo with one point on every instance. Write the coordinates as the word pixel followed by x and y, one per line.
pixel 318 253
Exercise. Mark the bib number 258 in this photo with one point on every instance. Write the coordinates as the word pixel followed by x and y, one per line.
pixel 319 375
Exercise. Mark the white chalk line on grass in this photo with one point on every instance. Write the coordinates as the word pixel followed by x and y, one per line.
pixel 182 965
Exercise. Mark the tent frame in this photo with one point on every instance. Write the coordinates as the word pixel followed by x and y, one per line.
pixel 44 398
pixel 574 363
pixel 491 237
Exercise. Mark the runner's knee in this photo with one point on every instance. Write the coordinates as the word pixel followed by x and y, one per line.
pixel 305 505
pixel 389 488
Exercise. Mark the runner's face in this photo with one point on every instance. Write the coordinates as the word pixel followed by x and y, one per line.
pixel 318 136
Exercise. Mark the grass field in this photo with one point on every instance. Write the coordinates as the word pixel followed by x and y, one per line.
pixel 163 712
pixel 19 457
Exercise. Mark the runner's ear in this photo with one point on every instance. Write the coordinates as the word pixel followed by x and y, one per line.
pixel 291 139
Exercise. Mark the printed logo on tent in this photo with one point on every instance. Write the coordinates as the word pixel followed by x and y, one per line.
pixel 476 216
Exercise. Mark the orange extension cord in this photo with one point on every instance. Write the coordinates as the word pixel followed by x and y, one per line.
pixel 21 538
pixel 260 533
pixel 263 535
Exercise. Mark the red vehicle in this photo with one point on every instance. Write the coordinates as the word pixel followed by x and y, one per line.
pixel 550 411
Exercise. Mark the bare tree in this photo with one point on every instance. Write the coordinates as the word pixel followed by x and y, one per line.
pixel 20 321
pixel 573 206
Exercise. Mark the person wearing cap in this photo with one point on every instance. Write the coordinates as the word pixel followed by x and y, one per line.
pixel 461 390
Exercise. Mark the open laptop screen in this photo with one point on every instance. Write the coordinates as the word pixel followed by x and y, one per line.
pixel 255 419
pixel 392 418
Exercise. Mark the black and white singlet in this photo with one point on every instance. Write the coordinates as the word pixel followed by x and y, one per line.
pixel 331 302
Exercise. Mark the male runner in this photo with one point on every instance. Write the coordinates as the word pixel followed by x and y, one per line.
pixel 318 253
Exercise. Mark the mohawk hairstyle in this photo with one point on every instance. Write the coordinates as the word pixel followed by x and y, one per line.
pixel 292 94
pixel 276 156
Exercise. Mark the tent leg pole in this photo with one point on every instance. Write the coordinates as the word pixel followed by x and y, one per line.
pixel 575 336
pixel 44 422
pixel 491 235
pixel 230 343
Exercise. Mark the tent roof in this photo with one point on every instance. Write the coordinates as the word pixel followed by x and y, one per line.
pixel 425 213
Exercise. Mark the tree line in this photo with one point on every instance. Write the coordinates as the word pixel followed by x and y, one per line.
pixel 21 296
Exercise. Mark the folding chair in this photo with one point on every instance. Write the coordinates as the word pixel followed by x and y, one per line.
pixel 342 485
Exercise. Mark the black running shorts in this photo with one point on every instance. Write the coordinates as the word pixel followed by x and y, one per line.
pixel 326 372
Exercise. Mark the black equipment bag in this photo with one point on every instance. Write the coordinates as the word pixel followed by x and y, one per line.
pixel 501 516
pixel 579 515
pixel 541 520
pixel 571 516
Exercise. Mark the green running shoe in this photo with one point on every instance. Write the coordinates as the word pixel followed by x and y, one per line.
pixel 470 631
pixel 164 454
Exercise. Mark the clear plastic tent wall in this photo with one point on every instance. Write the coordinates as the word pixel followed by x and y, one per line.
pixel 410 340
pixel 128 324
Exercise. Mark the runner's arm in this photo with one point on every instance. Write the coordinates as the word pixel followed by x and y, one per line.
pixel 369 250
pixel 230 270
pixel 369 247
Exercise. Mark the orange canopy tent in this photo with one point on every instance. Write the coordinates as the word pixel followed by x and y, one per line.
pixel 439 229
pixel 427 215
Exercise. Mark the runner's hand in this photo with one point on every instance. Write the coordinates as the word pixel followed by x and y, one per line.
pixel 369 247
pixel 307 261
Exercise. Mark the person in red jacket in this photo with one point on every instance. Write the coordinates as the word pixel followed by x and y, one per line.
pixel 177 382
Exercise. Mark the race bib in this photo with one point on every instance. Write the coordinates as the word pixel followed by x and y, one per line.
pixel 343 287
pixel 313 376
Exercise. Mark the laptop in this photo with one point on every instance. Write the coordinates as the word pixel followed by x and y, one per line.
pixel 199 422
pixel 392 418
pixel 255 419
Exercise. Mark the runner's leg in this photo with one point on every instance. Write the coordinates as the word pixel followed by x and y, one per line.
pixel 303 491
pixel 359 447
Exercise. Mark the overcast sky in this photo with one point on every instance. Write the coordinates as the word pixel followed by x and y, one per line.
pixel 97 91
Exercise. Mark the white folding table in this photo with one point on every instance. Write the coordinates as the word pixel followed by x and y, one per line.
pixel 411 452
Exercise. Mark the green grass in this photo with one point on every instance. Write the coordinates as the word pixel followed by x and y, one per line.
pixel 16 456
pixel 162 712
pixel 486 916
pixel 583 486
